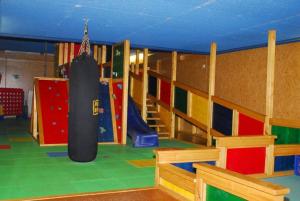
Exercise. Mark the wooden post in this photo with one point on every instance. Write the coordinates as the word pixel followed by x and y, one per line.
pixel 235 123
pixel 211 89
pixel 173 78
pixel 60 54
pixel 66 52
pixel 103 54
pixel 72 53
pixel 137 62
pixel 145 85
pixel 125 90
pixel 270 79
pixel 96 53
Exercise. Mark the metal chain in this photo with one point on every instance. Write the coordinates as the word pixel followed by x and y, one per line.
pixel 85 44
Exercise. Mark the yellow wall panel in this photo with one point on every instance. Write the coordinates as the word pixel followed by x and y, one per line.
pixel 137 91
pixel 199 109
pixel 165 116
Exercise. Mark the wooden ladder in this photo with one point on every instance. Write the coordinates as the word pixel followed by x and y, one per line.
pixel 154 120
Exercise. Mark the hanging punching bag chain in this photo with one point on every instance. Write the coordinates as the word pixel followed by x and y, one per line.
pixel 85 44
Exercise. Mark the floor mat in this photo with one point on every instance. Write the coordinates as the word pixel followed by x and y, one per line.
pixel 142 163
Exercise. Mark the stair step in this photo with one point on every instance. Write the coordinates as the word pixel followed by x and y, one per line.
pixel 157 125
pixel 152 111
pixel 153 118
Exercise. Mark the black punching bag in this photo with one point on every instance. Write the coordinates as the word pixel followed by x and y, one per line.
pixel 83 109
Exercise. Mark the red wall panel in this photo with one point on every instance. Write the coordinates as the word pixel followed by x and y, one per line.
pixel 250 126
pixel 165 92
pixel 118 101
pixel 246 160
pixel 54 108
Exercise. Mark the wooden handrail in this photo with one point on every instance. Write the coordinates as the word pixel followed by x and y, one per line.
pixel 241 109
pixel 160 76
pixel 191 89
pixel 190 119
pixel 159 102
pixel 287 150
pixel 245 141
pixel 240 185
pixel 135 76
pixel 186 155
pixel 292 123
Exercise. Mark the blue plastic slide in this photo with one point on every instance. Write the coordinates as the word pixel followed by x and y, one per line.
pixel 139 132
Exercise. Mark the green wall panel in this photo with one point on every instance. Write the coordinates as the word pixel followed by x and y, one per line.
pixel 118 61
pixel 215 194
pixel 180 100
pixel 286 135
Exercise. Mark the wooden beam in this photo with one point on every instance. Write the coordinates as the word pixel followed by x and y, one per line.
pixel 187 155
pixel 137 62
pixel 270 79
pixel 211 89
pixel 190 119
pixel 235 123
pixel 145 84
pixel 245 141
pixel 173 78
pixel 292 123
pixel 287 150
pixel 159 76
pixel 60 54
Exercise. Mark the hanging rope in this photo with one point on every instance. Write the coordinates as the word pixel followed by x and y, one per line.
pixel 85 44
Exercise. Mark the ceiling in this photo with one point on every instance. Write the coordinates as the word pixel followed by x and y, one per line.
pixel 188 26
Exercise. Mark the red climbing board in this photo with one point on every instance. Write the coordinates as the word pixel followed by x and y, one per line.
pixel 165 92
pixel 246 160
pixel 118 100
pixel 250 126
pixel 52 96
pixel 12 101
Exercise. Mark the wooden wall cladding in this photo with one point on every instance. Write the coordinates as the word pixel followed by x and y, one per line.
pixel 287 81
pixel 199 108
pixel 161 62
pixel 241 78
pixel 193 70
pixel 137 91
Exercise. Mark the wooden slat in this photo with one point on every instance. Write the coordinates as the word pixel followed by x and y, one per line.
pixel 51 78
pixel 145 84
pixel 287 150
pixel 187 155
pixel 241 109
pixel 178 177
pixel 291 123
pixel 244 141
pixel 216 133
pixel 190 119
pixel 159 76
pixel 191 89
pixel 241 185
pixel 159 102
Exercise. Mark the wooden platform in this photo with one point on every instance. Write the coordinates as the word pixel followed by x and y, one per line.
pixel 148 194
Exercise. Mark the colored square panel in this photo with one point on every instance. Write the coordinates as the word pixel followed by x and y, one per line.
pixel 222 119
pixel 250 126
pixel 199 108
pixel 180 100
pixel 215 194
pixel 246 160
pixel 152 86
pixel 165 92
pixel 284 163
pixel 286 135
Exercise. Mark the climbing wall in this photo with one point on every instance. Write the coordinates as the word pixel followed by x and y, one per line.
pixel 117 97
pixel 52 104
pixel 11 100
pixel 105 118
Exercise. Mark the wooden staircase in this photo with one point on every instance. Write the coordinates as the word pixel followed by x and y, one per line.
pixel 154 120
